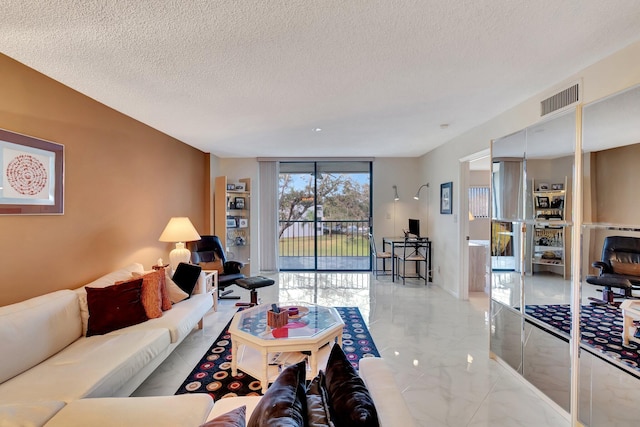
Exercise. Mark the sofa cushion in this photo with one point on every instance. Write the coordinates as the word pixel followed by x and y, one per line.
pixel 626 268
pixel 186 276
pixel 165 303
pixel 101 282
pixel 28 414
pixel 151 292
pixel 284 403
pixel 96 366
pixel 115 307
pixel 350 401
pixel 175 293
pixel 180 320
pixel 318 412
pixel 234 418
pixel 223 406
pixel 34 330
pixel 187 410
pixel 213 265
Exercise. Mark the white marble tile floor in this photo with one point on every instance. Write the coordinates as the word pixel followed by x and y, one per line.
pixel 436 345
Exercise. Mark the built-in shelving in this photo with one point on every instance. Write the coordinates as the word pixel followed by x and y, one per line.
pixel 232 218
pixel 550 240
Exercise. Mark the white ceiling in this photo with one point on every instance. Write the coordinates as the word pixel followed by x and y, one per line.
pixel 242 78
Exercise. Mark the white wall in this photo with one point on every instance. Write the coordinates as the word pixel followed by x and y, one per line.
pixel 619 71
pixel 390 216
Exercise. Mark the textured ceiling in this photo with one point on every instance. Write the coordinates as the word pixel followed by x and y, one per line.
pixel 241 78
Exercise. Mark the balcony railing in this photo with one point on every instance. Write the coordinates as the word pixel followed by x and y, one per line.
pixel 341 245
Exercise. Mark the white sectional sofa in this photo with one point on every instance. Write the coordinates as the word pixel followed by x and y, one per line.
pixel 52 375
pixel 172 411
pixel 47 362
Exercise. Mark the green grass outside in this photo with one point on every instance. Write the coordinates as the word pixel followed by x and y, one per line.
pixel 328 245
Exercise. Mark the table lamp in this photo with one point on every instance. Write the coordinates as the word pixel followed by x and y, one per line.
pixel 178 231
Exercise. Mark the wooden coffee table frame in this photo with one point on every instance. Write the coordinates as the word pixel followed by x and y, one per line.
pixel 250 353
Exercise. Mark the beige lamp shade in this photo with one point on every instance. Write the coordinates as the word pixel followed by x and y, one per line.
pixel 179 230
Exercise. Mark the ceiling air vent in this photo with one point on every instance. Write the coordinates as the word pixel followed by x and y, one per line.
pixel 560 100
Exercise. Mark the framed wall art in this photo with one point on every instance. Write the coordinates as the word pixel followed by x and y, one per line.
pixel 446 198
pixel 32 175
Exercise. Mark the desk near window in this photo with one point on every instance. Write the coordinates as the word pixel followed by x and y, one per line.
pixel 399 242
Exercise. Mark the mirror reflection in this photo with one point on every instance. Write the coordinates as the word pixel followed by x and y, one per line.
pixel 532 174
pixel 610 260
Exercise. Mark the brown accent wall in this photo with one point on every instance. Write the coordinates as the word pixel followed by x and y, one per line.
pixel 123 181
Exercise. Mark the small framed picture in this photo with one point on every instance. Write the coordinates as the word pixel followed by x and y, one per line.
pixel 543 186
pixel 231 187
pixel 446 198
pixel 557 186
pixel 231 223
pixel 240 186
pixel 243 222
pixel 239 202
pixel 543 201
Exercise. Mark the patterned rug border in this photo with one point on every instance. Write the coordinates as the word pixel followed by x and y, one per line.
pixel 212 374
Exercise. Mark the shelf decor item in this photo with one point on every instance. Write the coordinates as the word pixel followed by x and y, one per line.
pixel 239 202
pixel 543 201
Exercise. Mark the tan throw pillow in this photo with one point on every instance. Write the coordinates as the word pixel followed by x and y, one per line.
pixel 164 291
pixel 151 297
pixel 213 265
pixel 175 293
pixel 626 268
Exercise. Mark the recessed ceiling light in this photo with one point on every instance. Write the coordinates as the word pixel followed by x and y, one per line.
pixel 317 129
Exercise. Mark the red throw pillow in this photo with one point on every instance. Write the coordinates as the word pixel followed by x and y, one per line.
pixel 115 307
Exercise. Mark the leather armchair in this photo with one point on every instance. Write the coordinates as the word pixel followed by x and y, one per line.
pixel 209 254
pixel 619 267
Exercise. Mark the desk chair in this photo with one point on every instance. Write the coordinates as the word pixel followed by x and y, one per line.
pixel 411 253
pixel 384 256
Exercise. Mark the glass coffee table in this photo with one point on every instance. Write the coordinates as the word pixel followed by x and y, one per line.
pixel 262 351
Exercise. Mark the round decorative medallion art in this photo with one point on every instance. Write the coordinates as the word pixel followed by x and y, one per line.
pixel 26 175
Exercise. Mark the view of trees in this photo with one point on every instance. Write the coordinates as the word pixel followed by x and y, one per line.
pixel 342 196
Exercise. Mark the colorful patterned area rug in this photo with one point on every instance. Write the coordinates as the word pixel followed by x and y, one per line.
pixel 600 329
pixel 213 373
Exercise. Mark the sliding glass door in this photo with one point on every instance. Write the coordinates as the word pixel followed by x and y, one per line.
pixel 324 211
